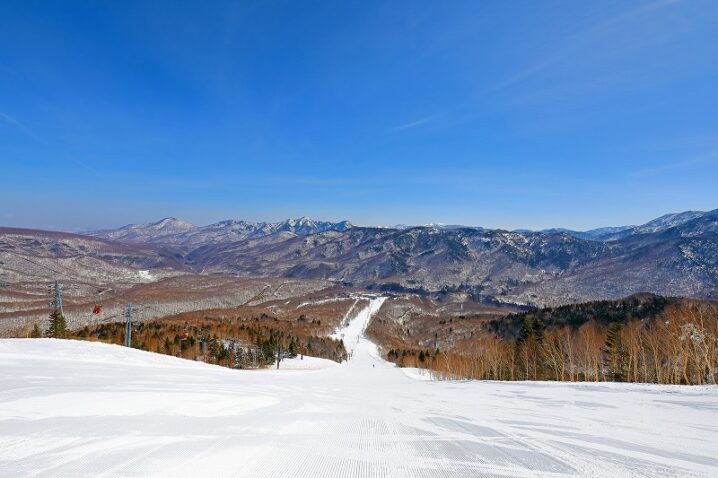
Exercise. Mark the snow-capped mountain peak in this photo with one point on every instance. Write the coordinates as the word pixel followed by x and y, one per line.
pixel 669 220
pixel 177 232
pixel 172 225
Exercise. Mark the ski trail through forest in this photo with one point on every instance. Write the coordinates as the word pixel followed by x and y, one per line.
pixel 70 408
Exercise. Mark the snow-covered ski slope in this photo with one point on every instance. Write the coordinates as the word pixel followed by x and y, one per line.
pixel 72 408
pixel 354 331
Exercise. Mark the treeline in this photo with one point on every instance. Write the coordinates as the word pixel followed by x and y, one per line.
pixel 678 345
pixel 605 312
pixel 226 342
pixel 412 357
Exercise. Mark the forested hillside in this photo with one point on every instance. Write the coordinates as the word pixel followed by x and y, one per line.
pixel 638 339
pixel 605 312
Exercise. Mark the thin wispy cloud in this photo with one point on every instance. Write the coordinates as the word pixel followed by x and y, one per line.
pixel 413 124
pixel 9 119
pixel 632 13
pixel 582 40
pixel 520 76
pixel 83 165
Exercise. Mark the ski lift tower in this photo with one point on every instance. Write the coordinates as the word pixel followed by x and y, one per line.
pixel 128 325
pixel 57 298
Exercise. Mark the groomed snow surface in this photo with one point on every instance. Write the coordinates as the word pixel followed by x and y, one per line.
pixel 72 408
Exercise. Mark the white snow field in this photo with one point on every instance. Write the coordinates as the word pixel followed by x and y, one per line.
pixel 70 408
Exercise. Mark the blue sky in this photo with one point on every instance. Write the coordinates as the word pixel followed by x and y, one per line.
pixel 502 114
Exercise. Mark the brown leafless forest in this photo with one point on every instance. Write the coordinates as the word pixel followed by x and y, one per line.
pixel 231 342
pixel 679 346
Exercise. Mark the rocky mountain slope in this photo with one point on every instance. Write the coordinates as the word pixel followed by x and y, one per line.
pixel 28 255
pixel 186 236
pixel 656 225
pixel 528 268
pixel 676 255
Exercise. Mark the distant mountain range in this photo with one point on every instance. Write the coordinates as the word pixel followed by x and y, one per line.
pixel 613 233
pixel 674 255
pixel 176 232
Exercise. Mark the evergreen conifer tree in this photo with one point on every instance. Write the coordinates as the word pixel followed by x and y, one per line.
pixel 35 333
pixel 293 348
pixel 167 346
pixel 58 326
pixel 614 353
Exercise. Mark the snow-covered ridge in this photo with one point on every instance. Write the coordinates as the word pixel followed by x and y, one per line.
pixel 663 223
pixel 177 232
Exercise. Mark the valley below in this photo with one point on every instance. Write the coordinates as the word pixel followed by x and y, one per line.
pixel 171 266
